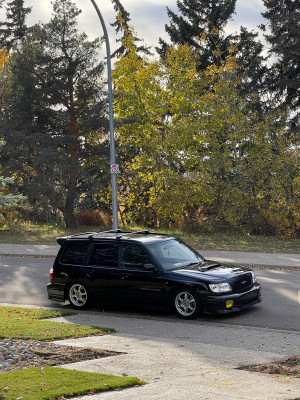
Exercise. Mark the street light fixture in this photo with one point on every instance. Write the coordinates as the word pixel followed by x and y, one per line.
pixel 113 165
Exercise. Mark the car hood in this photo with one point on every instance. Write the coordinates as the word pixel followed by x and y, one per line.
pixel 211 271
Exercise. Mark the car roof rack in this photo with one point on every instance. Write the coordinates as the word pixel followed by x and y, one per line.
pixel 118 233
pixel 145 232
pixel 114 234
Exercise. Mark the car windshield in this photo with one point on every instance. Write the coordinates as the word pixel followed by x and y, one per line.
pixel 174 254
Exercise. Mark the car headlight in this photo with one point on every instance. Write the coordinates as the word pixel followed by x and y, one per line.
pixel 220 287
pixel 253 277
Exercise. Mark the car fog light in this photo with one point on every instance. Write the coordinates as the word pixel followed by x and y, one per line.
pixel 229 303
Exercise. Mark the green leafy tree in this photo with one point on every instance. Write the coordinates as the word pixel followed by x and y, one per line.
pixel 192 155
pixel 144 136
pixel 243 163
pixel 4 59
pixel 54 107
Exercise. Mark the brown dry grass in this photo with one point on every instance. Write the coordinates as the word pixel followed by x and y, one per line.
pixel 288 367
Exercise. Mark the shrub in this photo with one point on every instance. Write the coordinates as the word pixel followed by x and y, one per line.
pixel 93 218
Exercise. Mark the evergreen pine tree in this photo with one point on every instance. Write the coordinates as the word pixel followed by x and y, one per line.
pixel 121 25
pixel 251 64
pixel 14 28
pixel 284 39
pixel 54 105
pixel 7 199
pixel 200 25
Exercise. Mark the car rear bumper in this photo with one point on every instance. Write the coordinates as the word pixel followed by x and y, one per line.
pixel 56 292
pixel 217 304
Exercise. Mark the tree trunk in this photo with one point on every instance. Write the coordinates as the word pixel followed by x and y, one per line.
pixel 69 216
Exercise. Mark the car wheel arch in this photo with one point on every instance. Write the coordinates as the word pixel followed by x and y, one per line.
pixel 188 286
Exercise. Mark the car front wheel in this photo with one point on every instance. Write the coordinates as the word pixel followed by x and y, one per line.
pixel 78 296
pixel 187 304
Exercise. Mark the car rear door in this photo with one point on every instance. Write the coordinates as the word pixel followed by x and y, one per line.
pixel 103 271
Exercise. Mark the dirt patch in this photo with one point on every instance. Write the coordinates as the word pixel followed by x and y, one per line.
pixel 69 354
pixel 17 353
pixel 288 367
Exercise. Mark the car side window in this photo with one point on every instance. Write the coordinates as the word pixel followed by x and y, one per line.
pixel 133 257
pixel 104 255
pixel 74 253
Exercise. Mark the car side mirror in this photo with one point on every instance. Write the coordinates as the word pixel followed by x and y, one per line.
pixel 149 267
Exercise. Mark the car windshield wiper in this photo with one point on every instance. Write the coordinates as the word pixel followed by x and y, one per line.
pixel 208 267
pixel 191 264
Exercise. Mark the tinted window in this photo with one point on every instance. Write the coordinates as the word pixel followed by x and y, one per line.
pixel 74 253
pixel 104 255
pixel 133 257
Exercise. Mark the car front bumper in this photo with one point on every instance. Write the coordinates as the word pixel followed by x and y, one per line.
pixel 217 303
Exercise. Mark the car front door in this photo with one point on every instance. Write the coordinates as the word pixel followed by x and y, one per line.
pixel 140 280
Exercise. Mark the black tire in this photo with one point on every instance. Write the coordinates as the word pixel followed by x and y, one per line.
pixel 186 303
pixel 78 296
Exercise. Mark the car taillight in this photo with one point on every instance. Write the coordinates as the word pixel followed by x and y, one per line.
pixel 51 274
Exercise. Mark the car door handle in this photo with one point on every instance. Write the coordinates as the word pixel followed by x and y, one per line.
pixel 91 272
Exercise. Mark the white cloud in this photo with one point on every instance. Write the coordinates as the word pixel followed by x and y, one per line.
pixel 148 17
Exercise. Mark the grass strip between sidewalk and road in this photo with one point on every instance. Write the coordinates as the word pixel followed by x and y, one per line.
pixel 36 383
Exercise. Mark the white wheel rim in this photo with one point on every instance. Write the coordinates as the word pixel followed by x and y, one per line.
pixel 78 295
pixel 185 304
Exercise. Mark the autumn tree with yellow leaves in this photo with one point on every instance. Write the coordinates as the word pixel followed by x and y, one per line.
pixel 194 152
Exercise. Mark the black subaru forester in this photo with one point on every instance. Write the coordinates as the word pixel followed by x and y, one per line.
pixel 147 269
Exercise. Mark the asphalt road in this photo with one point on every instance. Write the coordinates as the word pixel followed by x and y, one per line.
pixel 24 280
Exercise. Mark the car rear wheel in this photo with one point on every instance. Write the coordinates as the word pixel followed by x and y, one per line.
pixel 78 296
pixel 186 304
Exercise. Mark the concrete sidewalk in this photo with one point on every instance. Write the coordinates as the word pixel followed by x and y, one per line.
pixel 199 361
pixel 280 260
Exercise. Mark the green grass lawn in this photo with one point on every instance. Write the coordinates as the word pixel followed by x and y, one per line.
pixel 227 240
pixel 49 382
pixel 57 383
pixel 23 323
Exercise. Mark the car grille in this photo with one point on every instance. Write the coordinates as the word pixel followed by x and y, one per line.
pixel 243 283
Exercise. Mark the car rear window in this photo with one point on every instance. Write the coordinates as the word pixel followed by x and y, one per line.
pixel 74 253
pixel 133 257
pixel 104 255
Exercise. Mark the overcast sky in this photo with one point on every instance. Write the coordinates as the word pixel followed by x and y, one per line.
pixel 148 17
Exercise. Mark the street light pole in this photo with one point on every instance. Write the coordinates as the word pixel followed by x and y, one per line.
pixel 111 123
